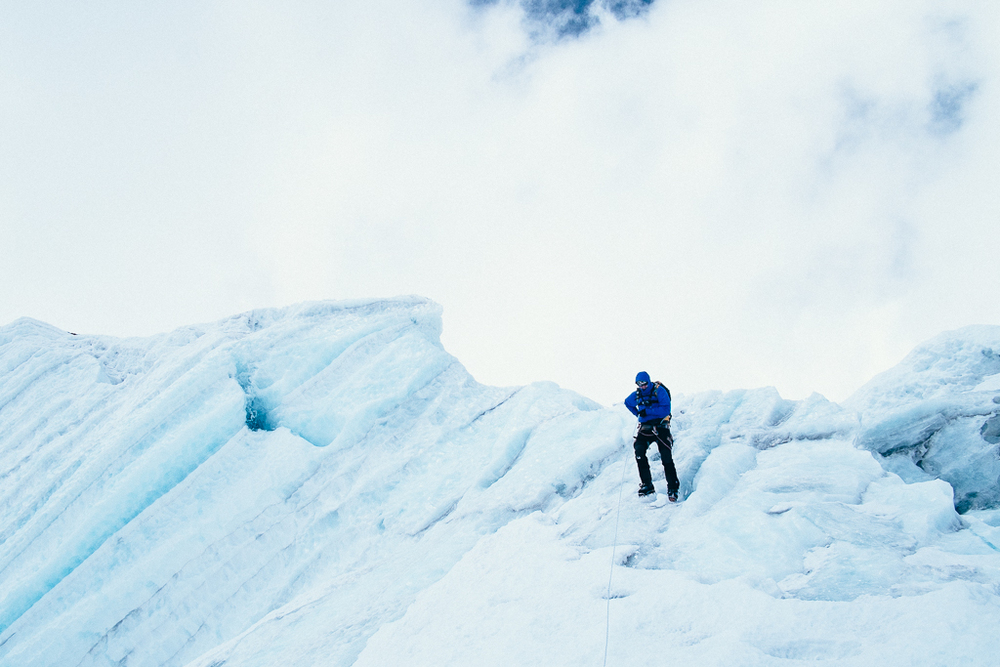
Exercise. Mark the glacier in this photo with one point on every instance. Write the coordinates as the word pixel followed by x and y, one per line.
pixel 323 484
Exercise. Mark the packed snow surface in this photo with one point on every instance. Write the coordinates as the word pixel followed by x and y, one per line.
pixel 325 485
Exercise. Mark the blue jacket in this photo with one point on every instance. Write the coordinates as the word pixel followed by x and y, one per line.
pixel 650 404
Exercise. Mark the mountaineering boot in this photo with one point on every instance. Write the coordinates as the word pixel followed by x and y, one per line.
pixel 646 489
pixel 672 496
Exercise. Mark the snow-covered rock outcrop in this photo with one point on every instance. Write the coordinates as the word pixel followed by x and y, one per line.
pixel 324 485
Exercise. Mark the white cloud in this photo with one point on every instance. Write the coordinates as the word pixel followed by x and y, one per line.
pixel 723 194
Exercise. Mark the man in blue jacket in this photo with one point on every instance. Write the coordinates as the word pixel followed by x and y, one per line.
pixel 650 402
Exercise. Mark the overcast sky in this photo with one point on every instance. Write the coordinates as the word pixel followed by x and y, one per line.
pixel 727 194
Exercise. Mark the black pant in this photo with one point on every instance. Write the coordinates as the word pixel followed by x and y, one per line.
pixel 660 434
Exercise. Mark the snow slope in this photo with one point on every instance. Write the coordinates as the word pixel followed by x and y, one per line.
pixel 324 485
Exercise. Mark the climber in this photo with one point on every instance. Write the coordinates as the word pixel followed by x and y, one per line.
pixel 650 402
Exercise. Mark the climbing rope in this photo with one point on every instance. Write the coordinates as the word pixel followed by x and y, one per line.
pixel 614 547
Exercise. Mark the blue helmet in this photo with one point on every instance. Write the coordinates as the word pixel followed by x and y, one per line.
pixel 642 377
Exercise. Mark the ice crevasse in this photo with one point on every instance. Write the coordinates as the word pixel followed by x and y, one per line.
pixel 324 484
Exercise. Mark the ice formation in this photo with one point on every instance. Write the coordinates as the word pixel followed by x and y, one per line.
pixel 938 412
pixel 325 485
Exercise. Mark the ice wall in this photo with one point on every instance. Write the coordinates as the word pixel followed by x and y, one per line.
pixel 142 512
pixel 324 485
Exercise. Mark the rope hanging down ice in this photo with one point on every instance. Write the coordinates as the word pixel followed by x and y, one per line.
pixel 611 574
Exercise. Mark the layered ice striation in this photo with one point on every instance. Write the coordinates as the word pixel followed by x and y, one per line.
pixel 325 485
pixel 161 496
